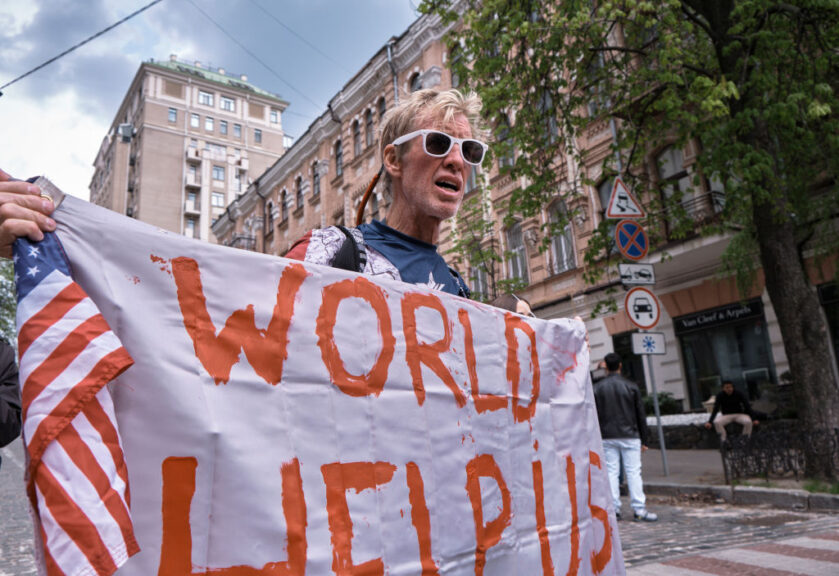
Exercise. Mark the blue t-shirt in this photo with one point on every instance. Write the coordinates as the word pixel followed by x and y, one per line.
pixel 418 262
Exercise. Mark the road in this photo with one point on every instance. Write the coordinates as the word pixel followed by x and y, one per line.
pixel 694 539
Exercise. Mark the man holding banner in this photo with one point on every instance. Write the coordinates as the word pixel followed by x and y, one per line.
pixel 285 418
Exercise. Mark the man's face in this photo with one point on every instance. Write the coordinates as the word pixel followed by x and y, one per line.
pixel 432 188
pixel 728 389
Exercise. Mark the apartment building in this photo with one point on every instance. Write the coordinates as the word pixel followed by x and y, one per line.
pixel 711 333
pixel 186 141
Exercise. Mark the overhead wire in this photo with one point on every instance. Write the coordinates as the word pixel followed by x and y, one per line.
pixel 301 38
pixel 80 44
pixel 254 56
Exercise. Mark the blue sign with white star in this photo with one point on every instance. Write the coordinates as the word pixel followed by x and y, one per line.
pixel 648 343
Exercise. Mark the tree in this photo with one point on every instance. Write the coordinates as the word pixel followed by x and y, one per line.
pixel 750 84
pixel 8 301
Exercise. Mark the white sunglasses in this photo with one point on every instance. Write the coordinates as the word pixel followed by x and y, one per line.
pixel 438 144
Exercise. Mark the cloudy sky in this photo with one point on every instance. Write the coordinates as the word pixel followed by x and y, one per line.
pixel 53 121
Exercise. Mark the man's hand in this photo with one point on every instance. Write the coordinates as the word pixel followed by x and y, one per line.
pixel 644 448
pixel 755 422
pixel 708 425
pixel 23 212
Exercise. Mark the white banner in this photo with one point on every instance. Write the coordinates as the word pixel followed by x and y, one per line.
pixel 284 418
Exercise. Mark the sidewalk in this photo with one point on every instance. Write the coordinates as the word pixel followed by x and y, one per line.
pixel 698 474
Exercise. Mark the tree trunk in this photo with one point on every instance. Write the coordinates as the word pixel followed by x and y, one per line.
pixel 805 337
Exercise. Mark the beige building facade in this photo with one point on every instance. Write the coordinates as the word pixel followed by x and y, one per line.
pixel 186 141
pixel 711 333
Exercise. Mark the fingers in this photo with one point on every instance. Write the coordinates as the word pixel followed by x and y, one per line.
pixel 23 213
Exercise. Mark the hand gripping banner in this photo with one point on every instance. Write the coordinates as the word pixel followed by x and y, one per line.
pixel 282 418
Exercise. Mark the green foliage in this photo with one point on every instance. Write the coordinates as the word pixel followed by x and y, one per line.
pixel 8 301
pixel 823 487
pixel 666 404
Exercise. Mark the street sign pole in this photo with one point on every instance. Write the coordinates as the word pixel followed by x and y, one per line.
pixel 649 367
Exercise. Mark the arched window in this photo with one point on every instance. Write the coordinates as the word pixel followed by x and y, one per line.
pixel 368 126
pixel 269 217
pixel 562 242
pixel 516 253
pixel 356 139
pixel 546 107
pixel 283 206
pixel 382 108
pixel 506 150
pixel 339 158
pixel 415 82
pixel 298 192
pixel 315 180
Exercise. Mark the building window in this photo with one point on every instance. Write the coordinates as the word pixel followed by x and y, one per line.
pixel 269 217
pixel 472 180
pixel 257 136
pixel 546 107
pixel 356 139
pixel 298 191
pixel 208 124
pixel 222 127
pixel 506 152
pixel 205 98
pixel 218 173
pixel 193 171
pixel 217 199
pixel 339 158
pixel 382 108
pixel 274 116
pixel 415 82
pixel 368 124
pixel 480 283
pixel 173 115
pixel 237 131
pixel 315 180
pixel 674 183
pixel 194 121
pixel 192 201
pixel 283 206
pixel 193 143
pixel 516 254
pixel 228 104
pixel 189 230
pixel 562 243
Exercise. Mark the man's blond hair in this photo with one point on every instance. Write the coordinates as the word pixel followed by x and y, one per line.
pixel 422 105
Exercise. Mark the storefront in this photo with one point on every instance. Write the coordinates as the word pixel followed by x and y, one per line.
pixel 729 343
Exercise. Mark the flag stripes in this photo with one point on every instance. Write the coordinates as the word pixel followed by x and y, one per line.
pixel 77 476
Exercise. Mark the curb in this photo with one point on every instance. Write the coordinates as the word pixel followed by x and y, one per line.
pixel 798 500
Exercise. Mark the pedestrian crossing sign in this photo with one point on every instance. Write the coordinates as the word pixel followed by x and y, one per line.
pixel 622 204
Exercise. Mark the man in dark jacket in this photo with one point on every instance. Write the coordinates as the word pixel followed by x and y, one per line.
pixel 623 426
pixel 735 408
pixel 9 395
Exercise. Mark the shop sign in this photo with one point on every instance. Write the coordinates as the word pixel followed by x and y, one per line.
pixel 718 316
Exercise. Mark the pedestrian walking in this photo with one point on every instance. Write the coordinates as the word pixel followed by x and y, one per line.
pixel 623 426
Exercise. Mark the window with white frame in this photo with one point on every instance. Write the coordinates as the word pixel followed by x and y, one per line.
pixel 237 131
pixel 274 116
pixel 516 253
pixel 562 242
pixel 218 173
pixel 189 229
pixel 356 139
pixel 195 120
pixel 370 135
pixel 217 199
pixel 222 127
pixel 205 98
pixel 173 115
pixel 298 191
pixel 228 104
pixel 209 124
pixel 675 185
pixel 479 279
pixel 257 136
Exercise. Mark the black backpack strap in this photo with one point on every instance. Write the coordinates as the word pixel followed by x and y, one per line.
pixel 352 255
pixel 462 288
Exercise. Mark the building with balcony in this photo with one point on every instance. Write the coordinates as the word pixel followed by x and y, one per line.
pixel 186 141
pixel 712 332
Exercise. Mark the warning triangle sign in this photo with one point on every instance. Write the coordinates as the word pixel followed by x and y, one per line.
pixel 622 204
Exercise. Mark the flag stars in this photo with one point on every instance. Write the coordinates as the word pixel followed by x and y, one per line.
pixel 33 271
pixel 15 258
pixel 34 252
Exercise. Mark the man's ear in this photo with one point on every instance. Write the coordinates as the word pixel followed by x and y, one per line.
pixel 390 159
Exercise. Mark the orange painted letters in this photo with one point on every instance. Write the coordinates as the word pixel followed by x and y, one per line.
pixel 600 558
pixel 483 402
pixel 489 534
pixel 571 476
pixel 354 385
pixel 265 349
pixel 176 548
pixel 429 354
pixel 541 523
pixel 420 519
pixel 340 477
pixel 513 323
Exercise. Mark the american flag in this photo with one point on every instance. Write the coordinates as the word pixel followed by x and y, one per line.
pixel 76 476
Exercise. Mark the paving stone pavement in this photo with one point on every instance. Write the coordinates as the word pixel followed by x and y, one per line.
pixel 698 539
pixel 16 549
